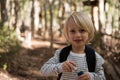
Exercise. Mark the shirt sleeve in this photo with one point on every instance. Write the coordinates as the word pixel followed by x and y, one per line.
pixel 52 67
pixel 99 71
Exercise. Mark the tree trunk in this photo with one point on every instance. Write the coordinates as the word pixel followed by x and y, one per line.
pixel 45 20
pixel 100 26
pixel 61 16
pixel 92 16
pixel 51 23
pixel 99 15
pixel 32 19
pixel 51 30
pixel 16 13
pixel 3 12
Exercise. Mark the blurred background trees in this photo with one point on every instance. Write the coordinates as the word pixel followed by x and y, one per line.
pixel 47 16
pixel 23 20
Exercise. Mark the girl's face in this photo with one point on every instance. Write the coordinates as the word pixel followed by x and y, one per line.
pixel 77 37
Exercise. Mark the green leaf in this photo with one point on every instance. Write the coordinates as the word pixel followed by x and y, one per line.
pixel 5 66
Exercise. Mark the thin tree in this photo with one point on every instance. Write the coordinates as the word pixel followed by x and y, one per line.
pixel 32 19
pixel 3 12
pixel 51 5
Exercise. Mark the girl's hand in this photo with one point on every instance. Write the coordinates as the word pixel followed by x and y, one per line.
pixel 68 66
pixel 84 76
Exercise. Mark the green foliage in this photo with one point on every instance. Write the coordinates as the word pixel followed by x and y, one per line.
pixel 1 24
pixel 8 39
pixel 9 45
pixel 5 66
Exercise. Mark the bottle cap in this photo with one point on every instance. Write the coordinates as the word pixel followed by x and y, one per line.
pixel 80 73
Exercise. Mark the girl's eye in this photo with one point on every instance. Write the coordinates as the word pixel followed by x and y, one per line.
pixel 73 31
pixel 82 30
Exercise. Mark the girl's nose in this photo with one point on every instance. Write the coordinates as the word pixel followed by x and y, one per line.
pixel 78 34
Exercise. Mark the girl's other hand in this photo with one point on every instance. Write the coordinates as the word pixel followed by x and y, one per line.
pixel 84 76
pixel 68 66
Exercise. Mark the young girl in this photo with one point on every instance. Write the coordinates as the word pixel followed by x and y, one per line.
pixel 79 31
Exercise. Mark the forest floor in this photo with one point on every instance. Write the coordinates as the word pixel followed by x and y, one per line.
pixel 27 62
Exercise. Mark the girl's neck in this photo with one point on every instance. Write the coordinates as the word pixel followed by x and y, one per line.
pixel 78 49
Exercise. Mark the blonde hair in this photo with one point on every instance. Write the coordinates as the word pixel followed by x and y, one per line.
pixel 83 21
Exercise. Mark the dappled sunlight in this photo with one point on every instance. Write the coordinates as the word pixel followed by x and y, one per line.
pixel 2 51
pixel 34 72
pixel 38 42
pixel 108 28
pixel 96 18
pixel 6 76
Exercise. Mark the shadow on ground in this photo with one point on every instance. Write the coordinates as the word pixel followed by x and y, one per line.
pixel 27 63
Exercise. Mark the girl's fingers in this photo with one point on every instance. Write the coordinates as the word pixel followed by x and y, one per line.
pixel 72 63
pixel 69 66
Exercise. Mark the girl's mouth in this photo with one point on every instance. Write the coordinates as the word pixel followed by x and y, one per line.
pixel 77 41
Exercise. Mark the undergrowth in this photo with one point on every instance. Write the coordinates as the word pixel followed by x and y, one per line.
pixel 9 45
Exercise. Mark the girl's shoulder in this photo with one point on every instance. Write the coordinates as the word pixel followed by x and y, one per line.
pixel 99 58
pixel 98 55
pixel 57 52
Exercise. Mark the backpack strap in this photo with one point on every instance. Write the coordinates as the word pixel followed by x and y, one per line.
pixel 90 57
pixel 64 53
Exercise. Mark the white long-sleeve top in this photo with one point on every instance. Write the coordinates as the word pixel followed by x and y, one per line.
pixel 53 67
